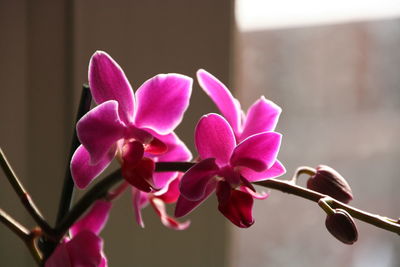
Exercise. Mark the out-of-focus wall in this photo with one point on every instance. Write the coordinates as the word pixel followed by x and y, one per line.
pixel 46 46
pixel 339 88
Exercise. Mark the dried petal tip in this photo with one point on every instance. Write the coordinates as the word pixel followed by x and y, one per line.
pixel 341 225
pixel 329 182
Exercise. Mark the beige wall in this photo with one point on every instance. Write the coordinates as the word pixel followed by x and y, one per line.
pixel 45 48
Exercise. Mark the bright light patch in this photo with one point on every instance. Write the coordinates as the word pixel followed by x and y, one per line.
pixel 263 14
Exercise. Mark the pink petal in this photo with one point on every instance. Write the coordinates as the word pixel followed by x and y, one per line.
pixel 258 152
pixel 166 220
pixel 82 171
pixel 85 249
pixel 171 194
pixel 176 151
pixel 108 82
pixel 214 138
pixel 195 181
pixel 94 220
pixel 276 170
pixel 139 201
pixel 235 205
pixel 185 206
pixel 59 258
pixel 104 262
pixel 140 175
pixel 223 99
pixel 161 102
pixel 248 188
pixel 262 116
pixel 99 129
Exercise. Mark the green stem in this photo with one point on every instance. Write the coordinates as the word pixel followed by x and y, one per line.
pixel 98 191
pixel 23 233
pixel 14 226
pixel 23 195
pixel 302 170
pixel 68 187
pixel 373 219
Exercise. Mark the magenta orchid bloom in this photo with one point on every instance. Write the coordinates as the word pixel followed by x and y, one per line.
pixel 84 247
pixel 228 168
pixel 168 182
pixel 168 195
pixel 128 126
pixel 262 116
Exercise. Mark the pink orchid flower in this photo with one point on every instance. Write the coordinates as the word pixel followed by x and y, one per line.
pixel 84 247
pixel 169 191
pixel 228 168
pixel 262 116
pixel 126 125
pixel 168 195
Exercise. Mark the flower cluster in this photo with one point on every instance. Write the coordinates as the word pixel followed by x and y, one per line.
pixel 137 129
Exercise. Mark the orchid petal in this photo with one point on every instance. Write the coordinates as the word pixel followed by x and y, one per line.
pixel 258 152
pixel 248 188
pixel 185 206
pixel 85 249
pixel 104 262
pixel 235 205
pixel 171 193
pixel 276 170
pixel 59 258
pixel 262 116
pixel 195 181
pixel 214 138
pixel 166 220
pixel 161 102
pixel 139 200
pixel 94 220
pixel 99 129
pixel 140 175
pixel 222 97
pixel 108 82
pixel 82 171
pixel 177 151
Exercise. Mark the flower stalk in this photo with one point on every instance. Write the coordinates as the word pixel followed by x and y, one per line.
pixel 23 195
pixel 100 190
pixel 68 186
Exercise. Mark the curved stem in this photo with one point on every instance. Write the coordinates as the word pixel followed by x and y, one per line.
pixel 24 196
pixel 98 191
pixel 14 225
pixel 27 236
pixel 290 188
pixel 68 186
pixel 302 170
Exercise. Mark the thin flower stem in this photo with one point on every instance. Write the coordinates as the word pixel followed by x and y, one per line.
pixel 23 233
pixel 302 170
pixel 14 226
pixel 290 188
pixel 68 187
pixel 23 195
pixel 98 191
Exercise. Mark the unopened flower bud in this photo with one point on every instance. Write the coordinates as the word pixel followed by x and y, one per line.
pixel 329 182
pixel 341 225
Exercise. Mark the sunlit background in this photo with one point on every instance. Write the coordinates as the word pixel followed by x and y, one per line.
pixel 331 65
pixel 333 68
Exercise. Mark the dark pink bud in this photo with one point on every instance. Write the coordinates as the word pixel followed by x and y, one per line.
pixel 235 205
pixel 341 225
pixel 329 182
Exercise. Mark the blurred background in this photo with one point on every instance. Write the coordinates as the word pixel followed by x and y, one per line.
pixel 331 65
